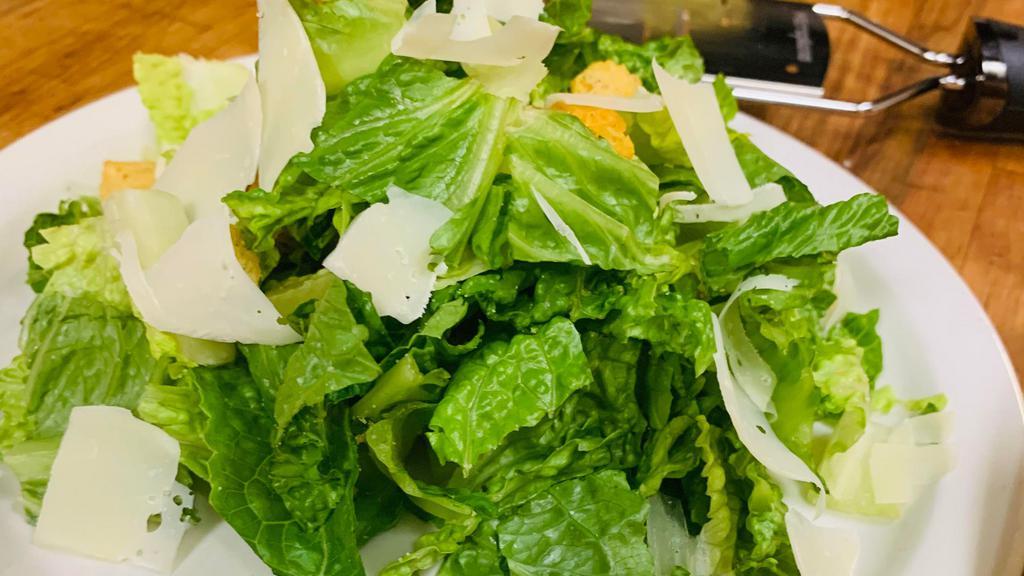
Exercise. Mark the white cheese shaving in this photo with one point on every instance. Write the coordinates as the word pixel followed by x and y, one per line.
pixel 111 474
pixel 504 10
pixel 427 36
pixel 197 288
pixel 701 127
pixel 642 102
pixel 155 218
pixel 751 425
pixel 900 471
pixel 294 95
pixel 934 428
pixel 821 551
pixel 471 20
pixel 765 198
pixel 386 251
pixel 752 374
pixel 218 157
pixel 561 227
pixel 677 196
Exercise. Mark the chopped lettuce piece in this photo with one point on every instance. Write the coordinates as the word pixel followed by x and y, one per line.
pixel 507 386
pixel 593 525
pixel 180 92
pixel 350 39
pixel 793 230
pixel 433 136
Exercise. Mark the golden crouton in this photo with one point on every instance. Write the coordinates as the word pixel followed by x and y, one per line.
pixel 606 124
pixel 124 175
pixel 247 258
pixel 606 78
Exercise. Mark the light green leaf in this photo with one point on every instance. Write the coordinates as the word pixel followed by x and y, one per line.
pixel 507 386
pixel 594 525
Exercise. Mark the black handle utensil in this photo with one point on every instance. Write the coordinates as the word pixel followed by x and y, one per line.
pixel 778 52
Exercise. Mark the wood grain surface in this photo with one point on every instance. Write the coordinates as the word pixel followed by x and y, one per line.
pixel 967 196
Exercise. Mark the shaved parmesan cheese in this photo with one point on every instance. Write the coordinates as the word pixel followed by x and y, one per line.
pixel 386 252
pixel 509 81
pixel 934 428
pixel 294 95
pixel 428 36
pixel 471 21
pixel 155 219
pixel 821 551
pixel 678 196
pixel 561 227
pixel 504 10
pixel 899 471
pixel 219 156
pixel 752 374
pixel 112 473
pixel 197 288
pixel 751 425
pixel 699 122
pixel 765 198
pixel 641 102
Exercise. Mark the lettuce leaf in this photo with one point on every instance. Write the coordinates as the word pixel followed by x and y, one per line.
pixel 598 428
pixel 592 525
pixel 75 351
pixel 69 212
pixel 238 424
pixel 332 360
pixel 506 386
pixel 180 92
pixel 792 230
pixel 350 39
pixel 431 135
pixel 609 202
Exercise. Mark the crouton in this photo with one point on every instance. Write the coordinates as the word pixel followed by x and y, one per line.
pixel 125 175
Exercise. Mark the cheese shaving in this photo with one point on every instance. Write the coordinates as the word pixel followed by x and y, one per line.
pixel 701 127
pixel 642 102
pixel 561 227
pixel 821 551
pixel 197 288
pixel 428 36
pixel 293 91
pixel 765 198
pixel 396 272
pixel 112 473
pixel 219 156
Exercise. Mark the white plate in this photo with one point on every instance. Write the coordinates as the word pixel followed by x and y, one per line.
pixel 937 338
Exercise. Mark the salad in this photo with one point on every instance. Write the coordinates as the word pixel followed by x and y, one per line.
pixel 475 269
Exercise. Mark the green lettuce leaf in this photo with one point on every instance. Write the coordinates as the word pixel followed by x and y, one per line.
pixel 75 351
pixel 609 202
pixel 238 426
pixel 332 360
pixel 350 39
pixel 592 525
pixel 76 259
pixel 597 428
pixel 69 212
pixel 793 230
pixel 180 92
pixel 431 135
pixel 507 386
pixel 479 556
pixel 668 319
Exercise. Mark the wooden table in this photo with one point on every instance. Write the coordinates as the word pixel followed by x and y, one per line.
pixel 968 197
